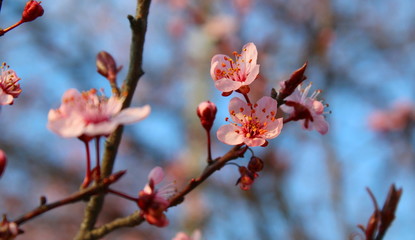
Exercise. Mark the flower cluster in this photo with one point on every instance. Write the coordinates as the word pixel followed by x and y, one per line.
pixel 254 124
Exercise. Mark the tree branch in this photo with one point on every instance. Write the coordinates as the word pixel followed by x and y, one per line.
pixel 80 195
pixel 138 26
pixel 136 218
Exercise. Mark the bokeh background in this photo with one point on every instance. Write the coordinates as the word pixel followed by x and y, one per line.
pixel 360 53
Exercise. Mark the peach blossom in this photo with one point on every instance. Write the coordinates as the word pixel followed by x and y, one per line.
pixel 90 115
pixel 252 124
pixel 229 75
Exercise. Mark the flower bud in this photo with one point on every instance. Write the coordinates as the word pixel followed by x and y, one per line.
pixel 207 112
pixel 3 162
pixel 246 179
pixel 107 67
pixel 32 10
pixel 255 164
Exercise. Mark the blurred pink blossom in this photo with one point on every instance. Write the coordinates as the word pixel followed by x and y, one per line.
pixel 229 75
pixel 90 115
pixel 196 235
pixel 252 124
pixel 395 119
pixel 9 86
pixel 153 202
pixel 308 110
pixel 220 26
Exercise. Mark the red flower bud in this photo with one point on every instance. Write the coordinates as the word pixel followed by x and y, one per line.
pixel 3 162
pixel 207 113
pixel 107 67
pixel 32 10
pixel 255 164
pixel 247 178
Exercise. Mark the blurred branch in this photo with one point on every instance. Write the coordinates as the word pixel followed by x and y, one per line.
pixel 138 26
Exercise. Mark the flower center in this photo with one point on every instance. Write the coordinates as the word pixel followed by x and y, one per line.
pixel 236 69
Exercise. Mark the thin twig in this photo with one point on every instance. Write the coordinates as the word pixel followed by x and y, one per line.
pixel 80 195
pixel 136 218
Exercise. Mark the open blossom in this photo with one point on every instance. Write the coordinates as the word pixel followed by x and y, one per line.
pixel 154 202
pixel 229 75
pixel 308 110
pixel 9 86
pixel 252 124
pixel 87 114
pixel 196 235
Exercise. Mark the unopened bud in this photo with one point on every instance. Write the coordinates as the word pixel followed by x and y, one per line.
pixel 3 162
pixel 207 113
pixel 255 164
pixel 106 66
pixel 246 179
pixel 31 11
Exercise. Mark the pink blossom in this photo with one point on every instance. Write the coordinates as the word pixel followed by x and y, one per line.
pixel 196 235
pixel 397 118
pixel 253 124
pixel 229 75
pixel 308 110
pixel 9 87
pixel 154 202
pixel 89 115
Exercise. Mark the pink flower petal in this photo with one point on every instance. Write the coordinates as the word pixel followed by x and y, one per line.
pixel 131 115
pixel 100 129
pixel 250 53
pixel 252 75
pixel 228 135
pixel 254 142
pixel 266 109
pixel 156 174
pixel 5 99
pixel 227 85
pixel 65 127
pixel 239 110
pixel 273 128
pixel 320 124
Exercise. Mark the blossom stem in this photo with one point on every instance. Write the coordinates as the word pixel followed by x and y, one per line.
pixel 78 196
pixel 98 167
pixel 288 120
pixel 3 31
pixel 246 98
pixel 123 195
pixel 209 160
pixel 88 165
